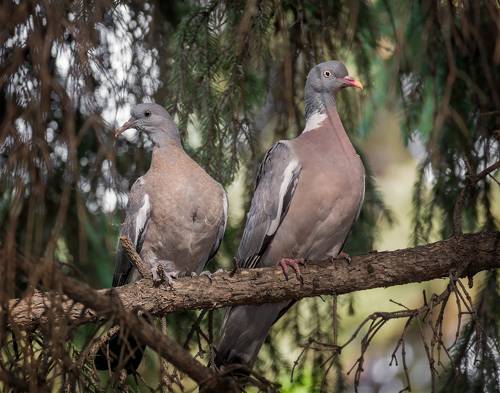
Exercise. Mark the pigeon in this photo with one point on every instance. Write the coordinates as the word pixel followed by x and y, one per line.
pixel 176 217
pixel 308 194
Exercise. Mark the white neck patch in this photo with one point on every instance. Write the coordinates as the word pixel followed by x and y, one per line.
pixel 315 121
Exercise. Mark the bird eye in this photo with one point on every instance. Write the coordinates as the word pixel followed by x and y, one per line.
pixel 327 74
pixel 147 113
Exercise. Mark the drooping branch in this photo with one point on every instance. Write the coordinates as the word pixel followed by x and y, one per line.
pixel 481 251
pixel 471 179
pixel 108 306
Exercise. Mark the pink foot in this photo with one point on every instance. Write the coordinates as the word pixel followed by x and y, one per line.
pixel 346 256
pixel 294 264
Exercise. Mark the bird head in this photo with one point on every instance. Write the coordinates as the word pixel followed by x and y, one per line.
pixel 153 120
pixel 330 77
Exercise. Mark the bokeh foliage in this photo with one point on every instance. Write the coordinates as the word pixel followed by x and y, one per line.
pixel 232 73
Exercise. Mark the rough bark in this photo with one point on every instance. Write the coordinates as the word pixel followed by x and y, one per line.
pixel 108 306
pixel 481 251
pixel 135 258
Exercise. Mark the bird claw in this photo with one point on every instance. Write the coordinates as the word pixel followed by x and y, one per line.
pixel 294 264
pixel 207 274
pixel 235 267
pixel 346 256
pixel 341 255
pixel 158 274
pixel 162 275
pixel 170 277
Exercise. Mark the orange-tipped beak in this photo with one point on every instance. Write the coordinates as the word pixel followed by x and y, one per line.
pixel 349 81
pixel 130 123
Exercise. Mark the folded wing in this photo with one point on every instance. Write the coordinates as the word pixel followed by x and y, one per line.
pixel 276 183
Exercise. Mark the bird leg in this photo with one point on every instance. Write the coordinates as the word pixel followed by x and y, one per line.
pixel 294 264
pixel 162 272
pixel 236 266
pixel 344 255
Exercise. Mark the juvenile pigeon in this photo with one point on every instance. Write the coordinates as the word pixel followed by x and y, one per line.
pixel 308 194
pixel 176 217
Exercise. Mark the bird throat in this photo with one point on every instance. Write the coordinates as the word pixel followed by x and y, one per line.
pixel 322 115
pixel 162 138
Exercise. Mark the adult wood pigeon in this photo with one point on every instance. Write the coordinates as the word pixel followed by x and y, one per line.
pixel 176 217
pixel 308 194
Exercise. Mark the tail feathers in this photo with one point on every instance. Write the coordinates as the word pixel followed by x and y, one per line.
pixel 243 332
pixel 120 352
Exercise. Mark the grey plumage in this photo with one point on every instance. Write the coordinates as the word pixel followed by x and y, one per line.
pixel 308 194
pixel 276 182
pixel 176 213
pixel 123 266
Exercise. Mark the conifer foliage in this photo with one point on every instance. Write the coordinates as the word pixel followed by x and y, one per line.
pixel 232 74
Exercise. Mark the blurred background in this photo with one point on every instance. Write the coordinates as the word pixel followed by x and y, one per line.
pixel 232 74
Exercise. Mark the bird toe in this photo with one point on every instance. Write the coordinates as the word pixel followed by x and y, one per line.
pixel 207 274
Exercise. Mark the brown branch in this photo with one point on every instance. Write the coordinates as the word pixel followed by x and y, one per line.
pixel 244 29
pixel 109 306
pixel 92 348
pixel 137 261
pixel 470 181
pixel 267 285
pixel 458 256
pixel 372 324
pixel 486 171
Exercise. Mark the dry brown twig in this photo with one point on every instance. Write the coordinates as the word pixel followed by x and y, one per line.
pixel 470 181
pixel 135 258
pixel 168 378
pixel 376 321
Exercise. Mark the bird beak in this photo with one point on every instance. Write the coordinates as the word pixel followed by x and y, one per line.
pixel 130 123
pixel 349 81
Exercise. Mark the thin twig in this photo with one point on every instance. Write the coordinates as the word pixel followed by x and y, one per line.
pixel 134 257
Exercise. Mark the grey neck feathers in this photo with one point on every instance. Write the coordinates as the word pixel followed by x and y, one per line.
pixel 324 103
pixel 316 102
pixel 165 134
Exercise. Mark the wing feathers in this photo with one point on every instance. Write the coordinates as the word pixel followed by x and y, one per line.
pixel 276 183
pixel 134 227
pixel 222 227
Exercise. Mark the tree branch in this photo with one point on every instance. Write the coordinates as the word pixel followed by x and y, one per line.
pixel 134 257
pixel 471 179
pixel 267 285
pixel 109 306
